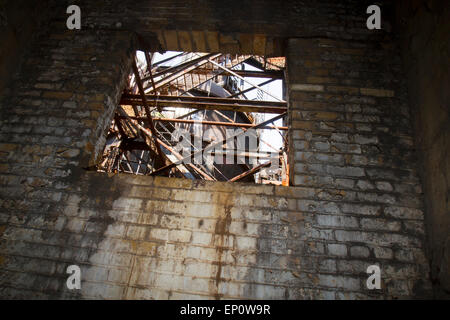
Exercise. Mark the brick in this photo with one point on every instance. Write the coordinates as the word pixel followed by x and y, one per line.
pixel 171 39
pixel 246 42
pixel 337 221
pixel 57 95
pixel 199 41
pixel 384 186
pixel 380 224
pixel 139 232
pixel 184 39
pixel 128 204
pixel 159 234
pixel 359 252
pixel 377 92
pixel 322 146
pixel 364 185
pixel 366 139
pixel 322 80
pixel 212 41
pixel 339 282
pixel 8 146
pixel 179 235
pixel 245 243
pixel 345 171
pixel 345 183
pixel 403 212
pixel 259 44
pixel 361 209
pixel 201 238
pixel 306 87
pixel 69 153
pixel 337 250
pixel 342 89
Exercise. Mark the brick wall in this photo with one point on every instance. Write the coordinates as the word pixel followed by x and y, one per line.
pixel 357 199
pixel 19 21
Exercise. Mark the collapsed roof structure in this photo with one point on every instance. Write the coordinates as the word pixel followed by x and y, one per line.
pixel 200 101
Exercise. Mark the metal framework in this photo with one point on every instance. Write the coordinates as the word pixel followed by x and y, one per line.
pixel 198 94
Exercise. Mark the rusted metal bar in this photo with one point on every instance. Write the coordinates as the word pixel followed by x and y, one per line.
pixel 164 70
pixel 224 116
pixel 274 74
pixel 168 59
pixel 201 166
pixel 232 121
pixel 140 161
pixel 208 103
pixel 124 154
pixel 214 145
pixel 212 123
pixel 192 65
pixel 249 172
pixel 188 114
pixel 171 150
pixel 190 165
pixel 131 97
pixel 144 133
pixel 249 154
pixel 284 169
pixel 178 156
pixel 213 106
pixel 239 61
pixel 250 89
pixel 147 110
pixel 257 62
pixel 119 126
pixel 149 69
pixel 242 78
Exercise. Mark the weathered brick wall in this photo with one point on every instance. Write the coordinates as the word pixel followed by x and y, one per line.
pixel 352 140
pixel 19 22
pixel 357 200
pixel 52 124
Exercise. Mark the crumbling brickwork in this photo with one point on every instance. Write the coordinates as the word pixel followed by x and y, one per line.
pixel 356 199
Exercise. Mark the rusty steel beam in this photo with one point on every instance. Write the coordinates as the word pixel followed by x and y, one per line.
pixel 168 59
pixel 171 150
pixel 190 66
pixel 249 172
pixel 242 78
pixel 190 165
pixel 250 89
pixel 207 103
pixel 273 74
pixel 240 59
pixel 149 68
pixel 147 111
pixel 214 145
pixel 206 99
pixel 164 70
pixel 144 133
pixel 212 123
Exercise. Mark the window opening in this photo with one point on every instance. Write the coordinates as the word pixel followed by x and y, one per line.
pixel 209 116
